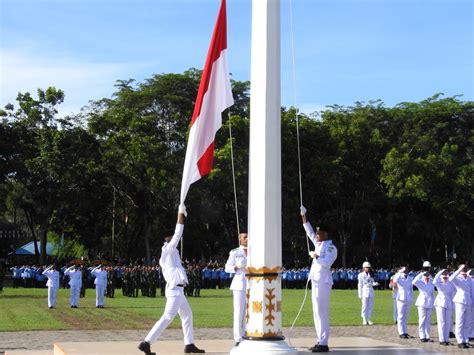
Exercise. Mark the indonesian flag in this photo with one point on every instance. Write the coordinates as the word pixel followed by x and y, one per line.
pixel 214 96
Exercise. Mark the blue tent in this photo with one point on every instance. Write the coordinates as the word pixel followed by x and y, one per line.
pixel 29 249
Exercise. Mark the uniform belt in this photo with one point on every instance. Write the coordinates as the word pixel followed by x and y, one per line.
pixel 180 285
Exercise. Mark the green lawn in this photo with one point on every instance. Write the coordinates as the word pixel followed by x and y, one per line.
pixel 26 309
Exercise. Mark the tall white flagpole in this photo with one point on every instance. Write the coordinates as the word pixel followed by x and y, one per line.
pixel 264 333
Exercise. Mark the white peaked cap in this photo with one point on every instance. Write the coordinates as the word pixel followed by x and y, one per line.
pixel 366 264
pixel 426 264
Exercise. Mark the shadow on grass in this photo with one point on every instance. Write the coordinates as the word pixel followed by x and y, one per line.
pixel 22 296
pixel 125 307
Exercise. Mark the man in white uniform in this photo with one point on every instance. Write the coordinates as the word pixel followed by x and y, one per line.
pixel 424 303
pixel 462 304
pixel 324 255
pixel 100 283
pixel 236 265
pixel 393 286
pixel 471 335
pixel 75 283
pixel 444 305
pixel 52 273
pixel 176 302
pixel 404 300
pixel 366 293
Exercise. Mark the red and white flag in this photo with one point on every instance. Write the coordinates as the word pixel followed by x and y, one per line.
pixel 214 96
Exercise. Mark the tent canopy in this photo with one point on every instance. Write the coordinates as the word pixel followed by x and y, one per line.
pixel 29 249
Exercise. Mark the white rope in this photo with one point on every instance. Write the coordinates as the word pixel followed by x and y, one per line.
pixel 299 312
pixel 299 157
pixel 294 101
pixel 233 176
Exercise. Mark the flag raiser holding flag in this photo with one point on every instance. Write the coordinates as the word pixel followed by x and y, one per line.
pixel 214 96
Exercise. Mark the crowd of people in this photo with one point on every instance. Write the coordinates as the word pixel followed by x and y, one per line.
pixel 453 303
pixel 136 280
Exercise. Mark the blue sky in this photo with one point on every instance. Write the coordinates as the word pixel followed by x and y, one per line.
pixel 346 50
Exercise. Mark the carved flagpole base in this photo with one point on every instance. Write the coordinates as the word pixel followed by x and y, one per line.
pixel 263 335
pixel 263 347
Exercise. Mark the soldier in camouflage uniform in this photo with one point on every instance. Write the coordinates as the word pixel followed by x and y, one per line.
pixel 110 282
pixel 136 280
pixel 153 281
pixel 198 280
pixel 82 293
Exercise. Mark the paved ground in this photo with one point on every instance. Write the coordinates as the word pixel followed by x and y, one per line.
pixel 38 340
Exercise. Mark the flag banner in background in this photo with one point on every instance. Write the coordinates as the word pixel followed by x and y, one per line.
pixel 214 96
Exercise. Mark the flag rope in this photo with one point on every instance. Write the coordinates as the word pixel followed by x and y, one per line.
pixel 294 102
pixel 299 158
pixel 233 174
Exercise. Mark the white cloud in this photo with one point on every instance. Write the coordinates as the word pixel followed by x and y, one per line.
pixel 26 70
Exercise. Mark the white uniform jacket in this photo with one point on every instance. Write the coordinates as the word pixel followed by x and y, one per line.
pixel 237 256
pixel 426 295
pixel 321 268
pixel 463 286
pixel 366 285
pixel 53 277
pixel 75 277
pixel 170 261
pixel 404 287
pixel 446 291
pixel 100 277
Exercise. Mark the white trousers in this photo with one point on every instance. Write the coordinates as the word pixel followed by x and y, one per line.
pixel 471 335
pixel 394 309
pixel 99 295
pixel 320 295
pixel 367 307
pixel 443 317
pixel 403 309
pixel 462 322
pixel 176 304
pixel 52 293
pixel 239 315
pixel 424 322
pixel 75 291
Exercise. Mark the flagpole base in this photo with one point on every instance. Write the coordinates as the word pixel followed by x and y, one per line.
pixel 263 347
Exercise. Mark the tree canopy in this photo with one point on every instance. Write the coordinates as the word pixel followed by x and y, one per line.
pixel 405 171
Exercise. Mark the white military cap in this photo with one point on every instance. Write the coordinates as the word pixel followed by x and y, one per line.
pixel 366 264
pixel 426 264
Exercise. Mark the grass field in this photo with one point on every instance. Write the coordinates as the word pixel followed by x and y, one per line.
pixel 26 309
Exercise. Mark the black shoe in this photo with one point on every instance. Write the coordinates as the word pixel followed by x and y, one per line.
pixel 237 343
pixel 463 346
pixel 451 335
pixel 404 336
pixel 445 343
pixel 191 348
pixel 320 349
pixel 423 340
pixel 468 345
pixel 315 346
pixel 145 347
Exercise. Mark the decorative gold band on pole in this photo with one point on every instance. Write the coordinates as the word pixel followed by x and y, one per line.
pixel 263 272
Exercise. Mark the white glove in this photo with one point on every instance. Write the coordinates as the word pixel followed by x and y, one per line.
pixel 240 264
pixel 182 209
pixel 303 210
pixel 375 284
pixel 312 254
